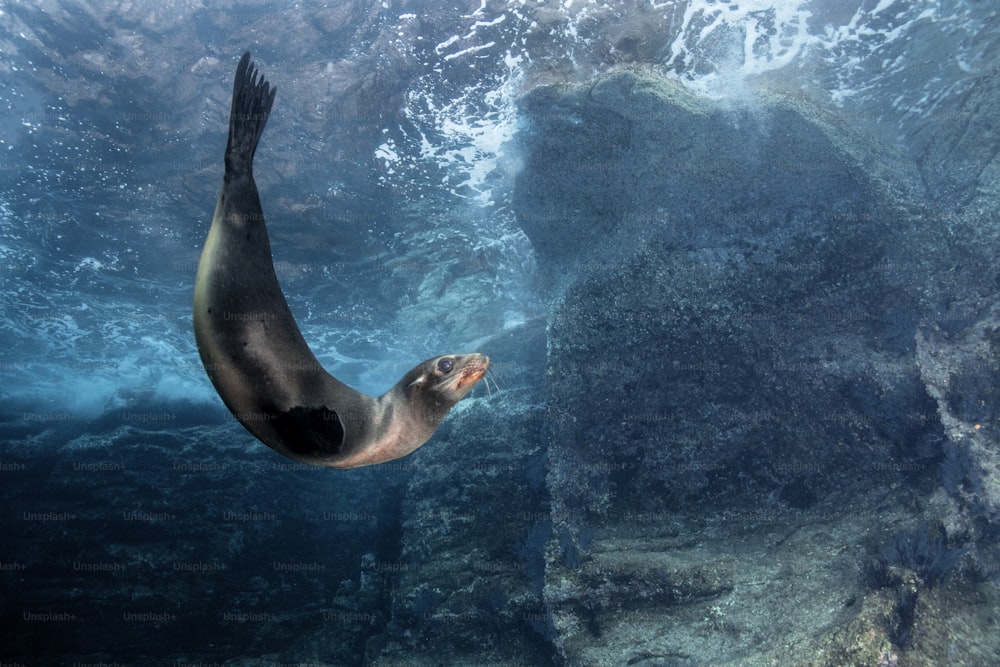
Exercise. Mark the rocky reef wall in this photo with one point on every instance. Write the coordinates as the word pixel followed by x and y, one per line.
pixel 732 363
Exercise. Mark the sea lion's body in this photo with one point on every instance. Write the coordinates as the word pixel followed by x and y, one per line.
pixel 255 354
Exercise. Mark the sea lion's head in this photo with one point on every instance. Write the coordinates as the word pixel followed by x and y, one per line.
pixel 443 381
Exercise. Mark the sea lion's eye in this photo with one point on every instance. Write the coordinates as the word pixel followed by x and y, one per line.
pixel 445 365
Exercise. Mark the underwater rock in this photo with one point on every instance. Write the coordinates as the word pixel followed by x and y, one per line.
pixel 960 159
pixel 189 539
pixel 467 586
pixel 609 165
pixel 959 357
pixel 731 340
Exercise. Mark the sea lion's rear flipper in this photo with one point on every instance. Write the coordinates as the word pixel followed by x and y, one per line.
pixel 252 100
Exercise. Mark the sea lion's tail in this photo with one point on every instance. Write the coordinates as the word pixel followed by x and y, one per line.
pixel 252 99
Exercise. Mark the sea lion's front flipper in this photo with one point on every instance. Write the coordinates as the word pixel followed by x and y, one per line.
pixel 314 432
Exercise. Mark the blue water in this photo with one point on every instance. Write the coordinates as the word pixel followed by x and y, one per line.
pixel 108 183
pixel 385 173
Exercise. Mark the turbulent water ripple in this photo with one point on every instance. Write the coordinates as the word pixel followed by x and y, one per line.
pixel 97 256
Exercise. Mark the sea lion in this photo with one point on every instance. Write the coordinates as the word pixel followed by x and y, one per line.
pixel 255 354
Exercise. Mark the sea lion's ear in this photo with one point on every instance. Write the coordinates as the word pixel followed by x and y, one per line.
pixel 419 381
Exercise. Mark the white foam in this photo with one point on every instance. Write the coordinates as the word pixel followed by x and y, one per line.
pixel 720 43
pixel 471 49
pixel 439 49
pixel 472 128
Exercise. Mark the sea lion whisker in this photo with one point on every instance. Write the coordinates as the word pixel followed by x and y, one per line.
pixel 491 377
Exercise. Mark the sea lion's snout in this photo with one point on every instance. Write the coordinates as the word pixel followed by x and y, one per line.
pixel 469 369
pixel 474 372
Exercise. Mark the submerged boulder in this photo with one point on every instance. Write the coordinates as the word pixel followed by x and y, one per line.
pixel 731 361
pixel 633 158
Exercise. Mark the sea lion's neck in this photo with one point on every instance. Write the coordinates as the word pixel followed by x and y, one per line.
pixel 405 419
pixel 397 427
